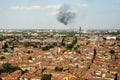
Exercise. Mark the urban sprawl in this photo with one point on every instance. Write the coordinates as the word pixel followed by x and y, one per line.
pixel 59 55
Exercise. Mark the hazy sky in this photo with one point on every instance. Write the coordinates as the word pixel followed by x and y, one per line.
pixel 41 14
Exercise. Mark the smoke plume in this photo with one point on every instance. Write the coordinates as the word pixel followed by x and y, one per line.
pixel 66 14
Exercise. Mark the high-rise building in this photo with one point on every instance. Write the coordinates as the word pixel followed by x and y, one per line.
pixel 80 29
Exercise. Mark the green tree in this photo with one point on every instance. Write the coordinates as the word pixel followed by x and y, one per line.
pixel 45 48
pixel 27 44
pixel 112 51
pixel 35 46
pixel 58 69
pixel 7 68
pixel 70 46
pixel 25 71
pixel 74 41
pixel 116 77
pixel 5 50
pixel 46 77
pixel 2 57
pixel 55 43
pixel 28 51
pixel 30 58
pixel 63 42
pixel 5 45
pixel 44 69
pixel 94 53
pixel 51 46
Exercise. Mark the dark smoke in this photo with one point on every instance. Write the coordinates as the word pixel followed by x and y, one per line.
pixel 65 15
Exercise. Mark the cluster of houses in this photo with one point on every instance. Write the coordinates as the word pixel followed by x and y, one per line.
pixel 92 57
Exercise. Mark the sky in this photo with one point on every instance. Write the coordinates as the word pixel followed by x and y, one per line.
pixel 42 14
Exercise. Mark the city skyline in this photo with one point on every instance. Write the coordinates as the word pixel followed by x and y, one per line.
pixel 37 14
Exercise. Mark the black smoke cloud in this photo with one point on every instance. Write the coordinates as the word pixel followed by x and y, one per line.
pixel 66 15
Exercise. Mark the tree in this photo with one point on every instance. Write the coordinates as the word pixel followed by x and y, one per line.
pixel 94 53
pixel 63 42
pixel 51 46
pixel 12 48
pixel 35 46
pixel 28 51
pixel 27 44
pixel 2 57
pixel 58 69
pixel 5 45
pixel 55 43
pixel 45 48
pixel 74 41
pixel 44 69
pixel 116 76
pixel 5 50
pixel 78 51
pixel 112 51
pixel 7 68
pixel 46 77
pixel 30 58
pixel 25 71
pixel 70 46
